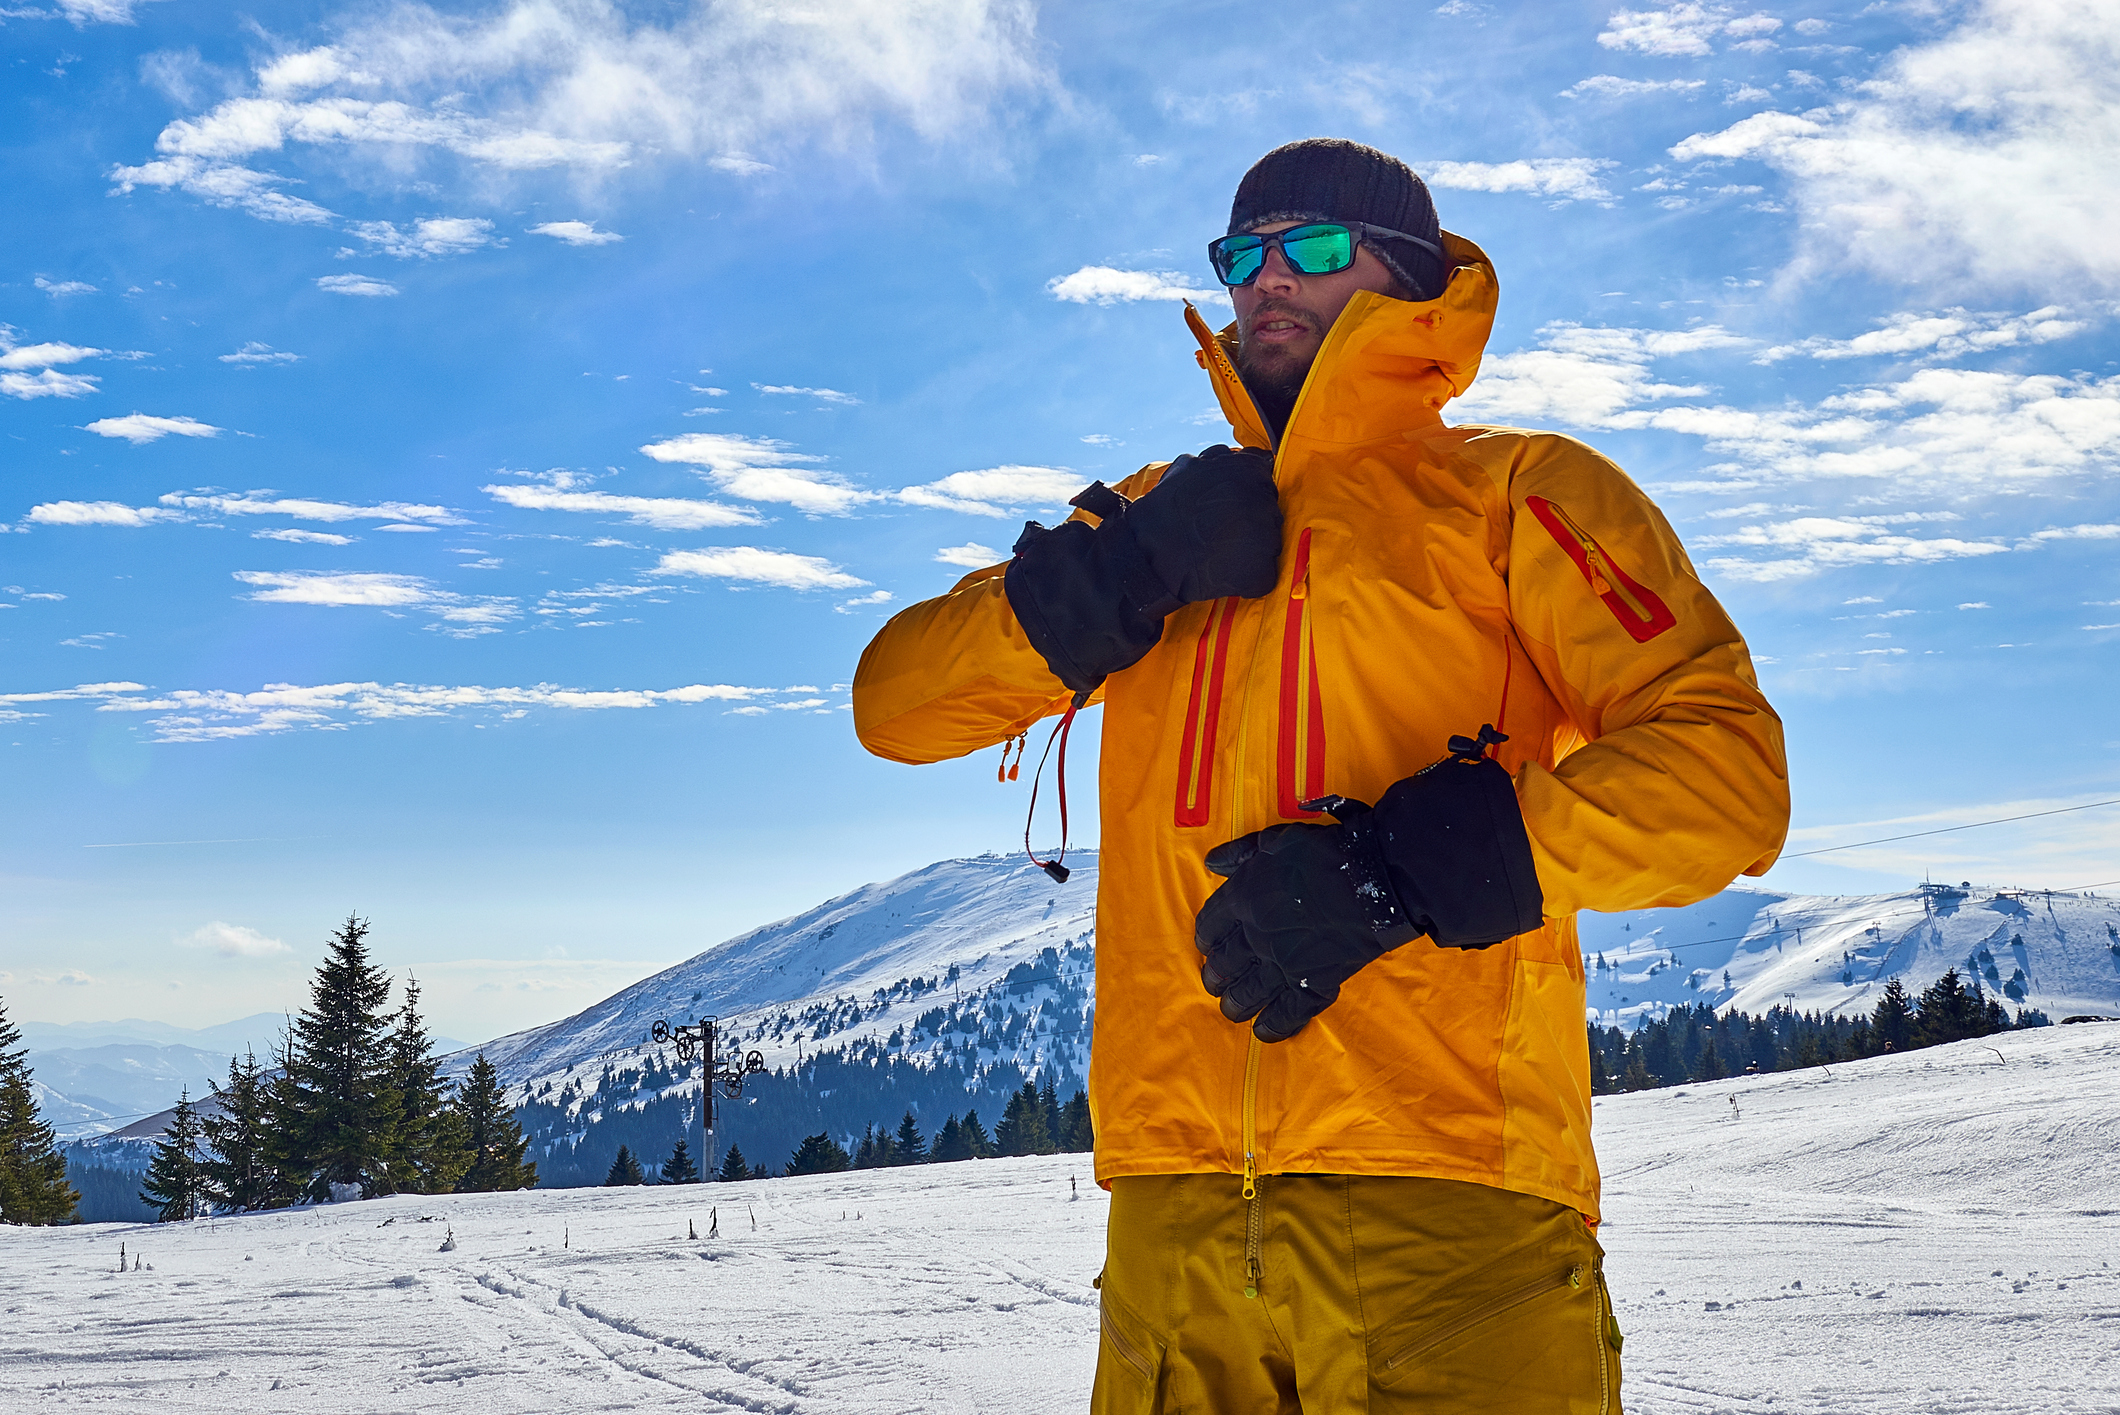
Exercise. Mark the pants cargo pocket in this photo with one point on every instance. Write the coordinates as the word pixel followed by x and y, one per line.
pixel 1129 1363
pixel 1535 1346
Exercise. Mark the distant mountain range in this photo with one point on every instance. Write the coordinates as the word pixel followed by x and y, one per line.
pixel 947 988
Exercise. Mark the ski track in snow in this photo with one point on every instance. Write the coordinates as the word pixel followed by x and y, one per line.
pixel 1950 1214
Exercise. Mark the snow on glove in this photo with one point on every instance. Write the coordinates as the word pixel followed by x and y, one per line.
pixel 1092 599
pixel 1306 907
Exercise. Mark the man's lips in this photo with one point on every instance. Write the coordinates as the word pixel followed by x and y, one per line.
pixel 1279 327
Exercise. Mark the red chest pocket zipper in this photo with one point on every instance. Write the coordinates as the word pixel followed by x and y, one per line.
pixel 1203 716
pixel 1635 606
pixel 1299 749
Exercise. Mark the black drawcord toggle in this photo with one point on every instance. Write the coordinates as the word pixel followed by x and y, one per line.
pixel 1053 867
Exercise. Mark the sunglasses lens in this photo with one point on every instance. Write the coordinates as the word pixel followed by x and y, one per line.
pixel 1318 250
pixel 1237 258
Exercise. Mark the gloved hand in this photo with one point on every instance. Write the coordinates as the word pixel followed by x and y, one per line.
pixel 1092 599
pixel 1306 907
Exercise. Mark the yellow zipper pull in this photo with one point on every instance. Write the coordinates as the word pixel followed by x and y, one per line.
pixel 1251 1177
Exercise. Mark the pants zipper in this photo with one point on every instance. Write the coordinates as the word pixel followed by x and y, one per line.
pixel 1514 1298
pixel 1251 1169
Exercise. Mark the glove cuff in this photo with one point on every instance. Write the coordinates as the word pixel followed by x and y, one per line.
pixel 1087 598
pixel 1453 840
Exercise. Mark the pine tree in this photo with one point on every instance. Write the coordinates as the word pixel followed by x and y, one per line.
pixel 1949 1012
pixel 237 1165
pixel 492 1135
pixel 1637 1077
pixel 678 1168
pixel 432 1153
pixel 950 1143
pixel 338 1112
pixel 1892 1023
pixel 733 1166
pixel 978 1145
pixel 1022 1129
pixel 874 1151
pixel 175 1187
pixel 1078 1134
pixel 624 1170
pixel 819 1154
pixel 909 1147
pixel 33 1187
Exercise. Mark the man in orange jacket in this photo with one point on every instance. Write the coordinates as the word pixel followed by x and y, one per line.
pixel 1340 1076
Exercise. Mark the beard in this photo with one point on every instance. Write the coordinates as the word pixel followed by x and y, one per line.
pixel 1274 374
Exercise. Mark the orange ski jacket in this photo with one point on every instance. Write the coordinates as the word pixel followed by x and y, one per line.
pixel 1432 578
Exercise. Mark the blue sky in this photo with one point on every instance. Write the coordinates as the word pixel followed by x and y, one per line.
pixel 454 457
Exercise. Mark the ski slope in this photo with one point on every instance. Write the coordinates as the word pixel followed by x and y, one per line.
pixel 1909 1235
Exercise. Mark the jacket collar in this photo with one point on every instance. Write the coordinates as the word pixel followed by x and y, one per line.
pixel 1386 365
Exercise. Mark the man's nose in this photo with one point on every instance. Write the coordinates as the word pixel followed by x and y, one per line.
pixel 1276 274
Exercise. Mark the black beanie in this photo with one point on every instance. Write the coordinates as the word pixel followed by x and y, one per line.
pixel 1332 179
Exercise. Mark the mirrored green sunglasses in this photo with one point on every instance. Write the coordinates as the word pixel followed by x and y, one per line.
pixel 1319 248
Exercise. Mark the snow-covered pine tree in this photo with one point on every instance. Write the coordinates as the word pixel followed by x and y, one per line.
pixel 432 1150
pixel 908 1147
pixel 337 1112
pixel 819 1154
pixel 175 1187
pixel 236 1163
pixel 33 1187
pixel 1077 1134
pixel 679 1168
pixel 624 1170
pixel 733 1166
pixel 492 1135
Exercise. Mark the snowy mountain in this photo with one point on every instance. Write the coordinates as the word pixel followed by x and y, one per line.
pixel 1905 1235
pixel 1754 949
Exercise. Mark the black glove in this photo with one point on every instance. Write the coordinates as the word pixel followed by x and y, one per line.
pixel 1306 907
pixel 1092 599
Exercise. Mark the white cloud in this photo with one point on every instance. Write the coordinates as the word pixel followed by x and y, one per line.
pixel 1986 155
pixel 223 184
pixel 822 395
pixel 105 12
pixel 576 233
pixel 50 383
pixel 971 555
pixel 302 537
pixel 193 715
pixel 848 606
pixel 1610 86
pixel 21 356
pixel 1584 376
pixel 235 941
pixel 1947 335
pixel 256 353
pixel 1566 178
pixel 666 513
pixel 1102 285
pixel 337 589
pixel 60 289
pixel 1000 492
pixel 761 469
pixel 1684 30
pixel 137 428
pixel 527 84
pixel 1808 545
pixel 444 235
pixel 355 285
pixel 98 513
pixel 766 567
pixel 264 503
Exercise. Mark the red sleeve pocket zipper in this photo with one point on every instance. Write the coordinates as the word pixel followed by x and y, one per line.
pixel 1299 755
pixel 1637 608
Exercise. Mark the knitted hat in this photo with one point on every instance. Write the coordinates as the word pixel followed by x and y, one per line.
pixel 1332 179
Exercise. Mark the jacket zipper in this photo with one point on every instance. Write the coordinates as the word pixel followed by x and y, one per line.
pixel 1637 608
pixel 1516 1297
pixel 1196 753
pixel 1251 1168
pixel 1299 756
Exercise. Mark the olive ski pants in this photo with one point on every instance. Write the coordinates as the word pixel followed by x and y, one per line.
pixel 1337 1294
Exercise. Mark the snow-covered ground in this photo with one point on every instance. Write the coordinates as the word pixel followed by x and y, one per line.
pixel 1908 1235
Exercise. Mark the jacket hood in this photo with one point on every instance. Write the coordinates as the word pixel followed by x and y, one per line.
pixel 1383 359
